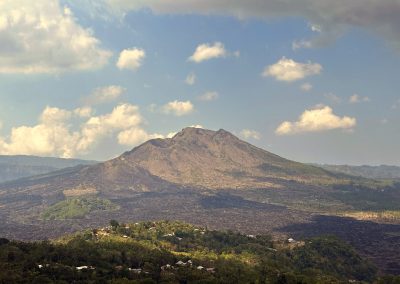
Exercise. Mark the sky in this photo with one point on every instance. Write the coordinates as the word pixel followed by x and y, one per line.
pixel 311 80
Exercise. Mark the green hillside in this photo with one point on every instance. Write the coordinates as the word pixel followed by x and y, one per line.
pixel 77 208
pixel 173 252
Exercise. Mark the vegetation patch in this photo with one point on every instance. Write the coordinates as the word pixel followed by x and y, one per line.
pixel 372 215
pixel 77 208
pixel 174 252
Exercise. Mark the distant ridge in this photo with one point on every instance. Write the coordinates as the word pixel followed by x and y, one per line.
pixel 20 166
pixel 374 172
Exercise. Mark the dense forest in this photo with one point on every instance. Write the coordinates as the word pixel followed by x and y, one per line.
pixel 174 252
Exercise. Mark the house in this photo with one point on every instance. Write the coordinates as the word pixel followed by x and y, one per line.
pixel 135 270
pixel 166 267
pixel 125 236
pixel 290 240
pixel 251 236
pixel 84 267
pixel 181 263
pixel 211 270
pixel 200 267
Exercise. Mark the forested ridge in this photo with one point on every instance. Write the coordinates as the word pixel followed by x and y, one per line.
pixel 174 252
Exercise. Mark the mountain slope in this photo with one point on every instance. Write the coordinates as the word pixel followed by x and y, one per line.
pixel 15 167
pixel 218 159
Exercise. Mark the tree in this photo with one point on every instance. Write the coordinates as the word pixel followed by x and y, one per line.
pixel 114 224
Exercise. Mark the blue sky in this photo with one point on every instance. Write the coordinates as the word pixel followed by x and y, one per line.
pixel 91 79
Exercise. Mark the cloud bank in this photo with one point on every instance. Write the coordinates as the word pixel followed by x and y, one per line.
pixel 54 134
pixel 329 19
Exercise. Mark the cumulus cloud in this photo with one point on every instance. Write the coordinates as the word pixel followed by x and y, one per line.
pixel 131 59
pixel 306 87
pixel 330 19
pixel 178 108
pixel 42 37
pixel 208 51
pixel 55 134
pixel 51 136
pixel 318 119
pixel 289 70
pixel 191 79
pixel 355 99
pixel 104 95
pixel 54 115
pixel 209 96
pixel 172 134
pixel 135 136
pixel 248 133
pixel 83 111
pixel 123 117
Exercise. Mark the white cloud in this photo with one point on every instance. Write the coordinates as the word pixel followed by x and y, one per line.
pixel 306 87
pixel 178 108
pixel 330 19
pixel 42 37
pixel 333 98
pixel 316 28
pixel 51 136
pixel 83 111
pixel 54 115
pixel 123 117
pixel 289 70
pixel 354 99
pixel 131 59
pixel 135 136
pixel 191 79
pixel 248 133
pixel 320 118
pixel 207 51
pixel 104 95
pixel 298 44
pixel 55 134
pixel 172 134
pixel 209 96
pixel 197 126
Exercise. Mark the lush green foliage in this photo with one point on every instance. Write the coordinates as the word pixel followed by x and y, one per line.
pixel 142 253
pixel 77 208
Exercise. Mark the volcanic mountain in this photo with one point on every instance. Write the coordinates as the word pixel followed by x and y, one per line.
pixel 217 159
pixel 194 157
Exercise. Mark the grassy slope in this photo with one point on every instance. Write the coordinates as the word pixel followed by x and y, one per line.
pixel 77 208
